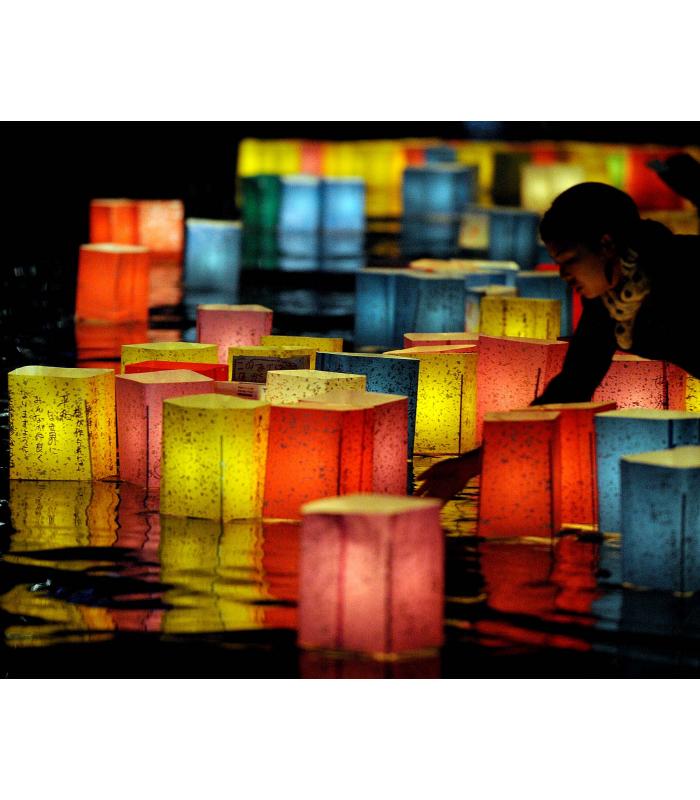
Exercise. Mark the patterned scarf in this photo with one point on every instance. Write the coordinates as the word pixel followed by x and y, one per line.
pixel 624 300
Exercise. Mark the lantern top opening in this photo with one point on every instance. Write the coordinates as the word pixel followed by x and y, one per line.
pixel 164 376
pixel 521 340
pixel 168 346
pixel 225 307
pixel 589 406
pixel 520 416
pixel 320 374
pixel 650 413
pixel 300 180
pixel 364 504
pixel 629 357
pixel 355 399
pixel 216 402
pixel 213 223
pixel 496 289
pixel 436 349
pixel 676 458
pixel 70 373
pixel 445 337
pixel 111 247
pixel 111 201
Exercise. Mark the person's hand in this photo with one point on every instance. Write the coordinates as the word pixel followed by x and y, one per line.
pixel 446 478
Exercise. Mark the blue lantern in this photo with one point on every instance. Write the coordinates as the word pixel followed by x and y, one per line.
pixel 427 302
pixel 342 224
pixel 375 307
pixel 213 257
pixel 442 153
pixel 549 286
pixel 299 222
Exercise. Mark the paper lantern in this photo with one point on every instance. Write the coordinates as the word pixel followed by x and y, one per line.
pixel 661 519
pixel 114 221
pixel 439 339
pixel 513 235
pixel 215 372
pixel 371 574
pixel 472 301
pixel 290 385
pixel 385 374
pixel 548 286
pixel 299 222
pixel 520 489
pixel 632 381
pixel 232 326
pixel 692 397
pixel 213 255
pixel 375 307
pixel 214 454
pixel 428 303
pixel 260 212
pixel 293 358
pixel 112 283
pixel 518 316
pixel 181 352
pixel 342 224
pixel 634 430
pixel 512 372
pixel 643 184
pixel 331 345
pixel 445 412
pixel 161 226
pixel 541 183
pixel 140 418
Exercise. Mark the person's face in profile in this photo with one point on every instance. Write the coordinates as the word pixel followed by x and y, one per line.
pixel 585 270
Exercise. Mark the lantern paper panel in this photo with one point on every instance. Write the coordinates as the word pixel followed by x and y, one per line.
pixel 140 418
pixel 375 307
pixel 439 339
pixel 661 519
pixel 385 374
pixel 299 222
pixel 327 344
pixel 519 316
pixel 512 372
pixel 232 326
pixel 180 352
pixel 629 431
pixel 213 255
pixel 520 489
pixel 288 386
pixel 114 221
pixel 371 574
pixel 428 302
pixel 62 423
pixel 446 405
pixel 342 224
pixel 548 286
pixel 255 369
pixel 112 283
pixel 215 372
pixel 476 272
pixel 473 297
pixel 214 455
pixel 513 235
pixel 632 382
pixel 161 226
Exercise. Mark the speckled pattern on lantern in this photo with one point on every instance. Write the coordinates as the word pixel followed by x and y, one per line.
pixel 169 351
pixel 632 382
pixel 472 302
pixel 290 385
pixel 140 418
pixel 634 430
pixel 214 455
pixel 232 326
pixel 371 574
pixel 268 351
pixel 520 489
pixel 512 372
pixel 692 396
pixel 661 519
pixel 112 283
pixel 316 343
pixel 62 423
pixel 520 316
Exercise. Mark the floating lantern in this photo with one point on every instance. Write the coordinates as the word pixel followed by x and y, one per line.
pixel 161 226
pixel 181 352
pixel 520 489
pixel 299 222
pixel 375 307
pixel 213 255
pixel 289 357
pixel 140 418
pixel 633 381
pixel 512 372
pixel 62 424
pixel 215 372
pixel 548 286
pixel 472 301
pixel 541 183
pixel 317 343
pixel 439 339
pixel 214 454
pixel 429 303
pixel 634 430
pixel 112 283
pixel 232 326
pixel 661 519
pixel 342 224
pixel 290 385
pixel 114 221
pixel 518 316
pixel 445 412
pixel 371 574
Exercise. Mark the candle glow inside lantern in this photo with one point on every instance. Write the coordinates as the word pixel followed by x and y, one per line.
pixel 661 519
pixel 232 326
pixel 342 224
pixel 114 221
pixel 213 255
pixel 446 405
pixel 299 222
pixel 428 302
pixel 632 381
pixel 161 226
pixel 214 456
pixel 371 574
pixel 548 286
pixel 316 343
pixel 181 352
pixel 112 283
pixel 520 316
pixel 215 372
pixel 520 489
pixel 290 385
pixel 512 372
pixel 629 431
pixel 473 297
pixel 140 418
pixel 375 307
pixel 62 423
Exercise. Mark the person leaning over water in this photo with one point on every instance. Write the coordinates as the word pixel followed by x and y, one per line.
pixel 640 286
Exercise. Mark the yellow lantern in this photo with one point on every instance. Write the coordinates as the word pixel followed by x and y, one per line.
pixel 317 343
pixel 531 318
pixel 290 385
pixel 169 351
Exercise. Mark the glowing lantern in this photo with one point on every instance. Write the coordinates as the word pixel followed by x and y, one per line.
pixel 62 424
pixel 644 185
pixel 548 286
pixel 512 372
pixel 629 431
pixel 375 307
pixel 518 316
pixel 181 352
pixel 439 339
pixel 342 224
pixel 290 385
pixel 215 372
pixel 161 226
pixel 314 342
pixel 232 326
pixel 299 222
pixel 140 418
pixel 384 373
pixel 445 413
pixel 260 211
pixel 472 301
pixel 112 283
pixel 256 360
pixel 633 381
pixel 513 235
pixel 427 302
pixel 213 255
pixel 661 519
pixel 520 489
pixel 371 574
pixel 692 398
pixel 541 183
pixel 114 221
pixel 214 454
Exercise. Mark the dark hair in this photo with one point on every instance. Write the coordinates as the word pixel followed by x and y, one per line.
pixel 587 211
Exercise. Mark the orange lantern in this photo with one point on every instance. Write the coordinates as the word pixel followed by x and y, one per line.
pixel 633 381
pixel 232 326
pixel 162 226
pixel 114 221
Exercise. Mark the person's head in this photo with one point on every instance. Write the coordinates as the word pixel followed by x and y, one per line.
pixel 586 231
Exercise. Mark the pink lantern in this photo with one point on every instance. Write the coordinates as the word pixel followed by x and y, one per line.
pixel 371 574
pixel 139 399
pixel 512 372
pixel 232 326
pixel 632 382
pixel 161 226
pixel 520 490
